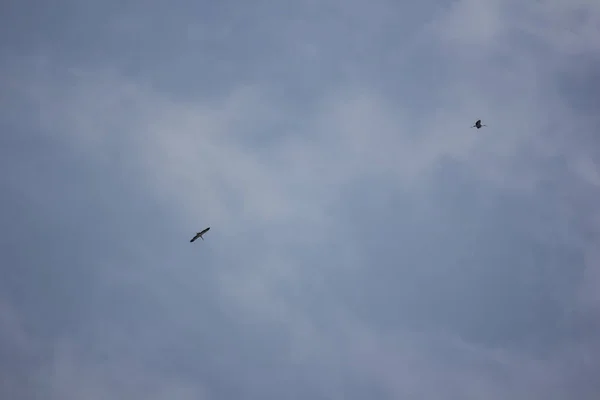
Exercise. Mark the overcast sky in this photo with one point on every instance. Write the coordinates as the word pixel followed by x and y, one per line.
pixel 365 242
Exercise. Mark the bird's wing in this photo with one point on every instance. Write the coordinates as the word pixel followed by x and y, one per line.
pixel 204 231
pixel 195 237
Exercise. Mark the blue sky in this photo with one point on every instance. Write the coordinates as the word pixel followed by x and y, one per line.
pixel 365 242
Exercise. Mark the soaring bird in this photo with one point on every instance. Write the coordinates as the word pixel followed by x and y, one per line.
pixel 478 124
pixel 199 234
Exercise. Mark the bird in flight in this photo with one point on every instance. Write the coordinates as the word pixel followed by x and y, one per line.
pixel 478 124
pixel 199 234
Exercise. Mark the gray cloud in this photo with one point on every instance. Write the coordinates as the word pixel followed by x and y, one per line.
pixel 365 241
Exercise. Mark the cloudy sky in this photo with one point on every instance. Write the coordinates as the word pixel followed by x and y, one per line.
pixel 365 242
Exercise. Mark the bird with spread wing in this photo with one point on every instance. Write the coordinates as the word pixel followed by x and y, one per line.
pixel 199 234
pixel 478 124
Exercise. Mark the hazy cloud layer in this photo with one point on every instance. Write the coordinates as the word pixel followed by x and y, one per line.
pixel 365 242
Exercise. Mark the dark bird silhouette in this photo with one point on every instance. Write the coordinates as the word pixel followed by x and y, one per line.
pixel 199 234
pixel 478 124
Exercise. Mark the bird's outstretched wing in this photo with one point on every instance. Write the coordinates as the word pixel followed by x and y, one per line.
pixel 195 237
